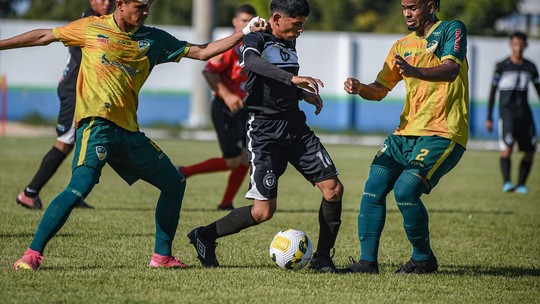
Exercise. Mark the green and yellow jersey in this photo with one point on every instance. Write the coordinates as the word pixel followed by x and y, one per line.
pixel 115 65
pixel 432 108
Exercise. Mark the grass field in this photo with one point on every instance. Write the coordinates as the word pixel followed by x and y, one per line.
pixel 487 242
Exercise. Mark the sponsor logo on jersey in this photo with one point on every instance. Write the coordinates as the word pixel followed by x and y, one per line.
pixel 458 40
pixel 102 38
pixel 144 46
pixel 432 46
pixel 101 152
pixel 269 180
pixel 407 56
pixel 123 42
pixel 131 71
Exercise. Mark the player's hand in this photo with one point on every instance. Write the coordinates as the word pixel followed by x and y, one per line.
pixel 233 102
pixel 257 24
pixel 489 125
pixel 404 67
pixel 307 83
pixel 314 99
pixel 352 85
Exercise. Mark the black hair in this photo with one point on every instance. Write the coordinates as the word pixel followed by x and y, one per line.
pixel 290 8
pixel 245 8
pixel 519 35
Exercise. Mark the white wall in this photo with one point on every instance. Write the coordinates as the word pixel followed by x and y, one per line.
pixel 331 56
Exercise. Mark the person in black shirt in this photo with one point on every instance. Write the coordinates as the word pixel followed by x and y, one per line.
pixel 65 127
pixel 511 78
pixel 277 135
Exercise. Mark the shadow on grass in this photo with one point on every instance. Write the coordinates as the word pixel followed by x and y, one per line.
pixel 477 270
pixel 299 211
pixel 82 235
pixel 483 270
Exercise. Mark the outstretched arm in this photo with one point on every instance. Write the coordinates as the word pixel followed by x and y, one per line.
pixel 372 91
pixel 211 49
pixel 32 38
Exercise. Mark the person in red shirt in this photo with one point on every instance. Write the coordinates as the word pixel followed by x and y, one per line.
pixel 227 80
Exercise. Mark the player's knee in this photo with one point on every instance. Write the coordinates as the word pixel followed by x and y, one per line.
pixel 233 162
pixel 63 147
pixel 83 181
pixel 379 182
pixel 408 188
pixel 333 192
pixel 174 187
pixel 262 212
pixel 528 156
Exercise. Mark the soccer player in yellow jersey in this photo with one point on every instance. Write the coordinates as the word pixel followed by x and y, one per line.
pixel 431 136
pixel 118 54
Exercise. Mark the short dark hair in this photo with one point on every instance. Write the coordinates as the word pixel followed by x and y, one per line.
pixel 245 8
pixel 519 35
pixel 291 8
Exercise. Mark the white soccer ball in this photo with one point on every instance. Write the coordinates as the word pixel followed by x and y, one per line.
pixel 291 249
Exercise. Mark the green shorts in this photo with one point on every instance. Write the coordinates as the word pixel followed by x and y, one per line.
pixel 131 154
pixel 428 156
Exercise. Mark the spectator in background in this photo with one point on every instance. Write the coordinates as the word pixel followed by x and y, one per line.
pixel 516 123
pixel 227 79
pixel 65 126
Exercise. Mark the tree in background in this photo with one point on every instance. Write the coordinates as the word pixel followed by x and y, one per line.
pixel 374 16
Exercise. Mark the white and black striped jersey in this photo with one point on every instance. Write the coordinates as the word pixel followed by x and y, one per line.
pixel 271 63
pixel 512 81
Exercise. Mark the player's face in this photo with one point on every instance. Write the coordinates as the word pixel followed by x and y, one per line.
pixel 241 20
pixel 101 7
pixel 417 13
pixel 517 45
pixel 134 13
pixel 288 28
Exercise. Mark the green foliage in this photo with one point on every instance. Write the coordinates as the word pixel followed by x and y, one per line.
pixel 487 242
pixel 336 15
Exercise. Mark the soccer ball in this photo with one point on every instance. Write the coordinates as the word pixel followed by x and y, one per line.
pixel 290 249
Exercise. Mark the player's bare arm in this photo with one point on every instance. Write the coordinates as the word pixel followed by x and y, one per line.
pixel 32 38
pixel 211 49
pixel 233 101
pixel 447 71
pixel 314 99
pixel 372 91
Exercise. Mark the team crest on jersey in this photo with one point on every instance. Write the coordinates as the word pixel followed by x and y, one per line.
pixel 269 180
pixel 102 38
pixel 101 152
pixel 381 150
pixel 144 46
pixel 432 46
pixel 284 55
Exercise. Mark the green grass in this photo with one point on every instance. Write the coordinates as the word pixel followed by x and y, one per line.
pixel 487 242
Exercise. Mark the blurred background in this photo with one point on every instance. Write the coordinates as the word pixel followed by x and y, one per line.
pixel 343 38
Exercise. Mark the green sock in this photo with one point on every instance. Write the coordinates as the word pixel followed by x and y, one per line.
pixel 167 216
pixel 407 191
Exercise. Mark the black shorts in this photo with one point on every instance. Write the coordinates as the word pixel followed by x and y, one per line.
pixel 65 127
pixel 521 130
pixel 230 128
pixel 273 143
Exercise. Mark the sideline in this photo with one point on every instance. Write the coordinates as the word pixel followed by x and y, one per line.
pixel 17 129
